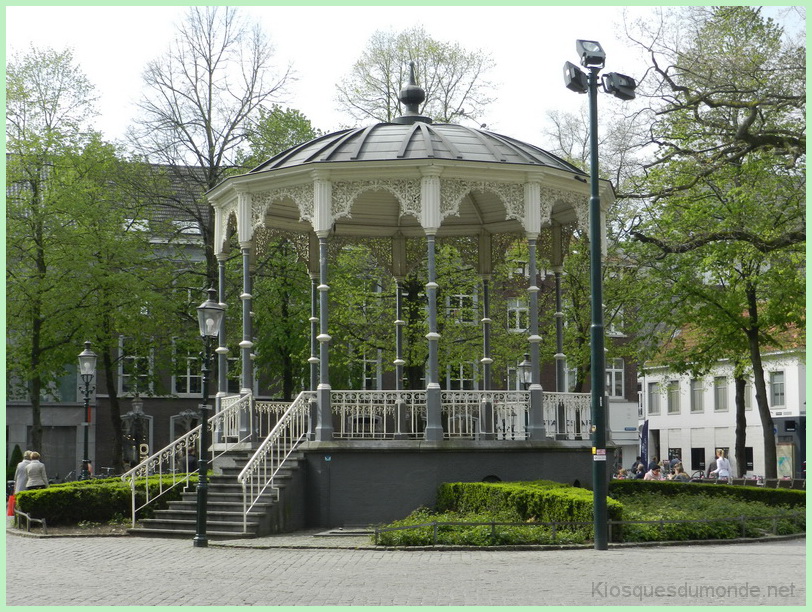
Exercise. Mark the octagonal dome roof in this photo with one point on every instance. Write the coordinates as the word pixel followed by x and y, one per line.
pixel 415 141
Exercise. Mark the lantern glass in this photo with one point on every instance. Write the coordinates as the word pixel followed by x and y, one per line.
pixel 525 369
pixel 87 361
pixel 209 315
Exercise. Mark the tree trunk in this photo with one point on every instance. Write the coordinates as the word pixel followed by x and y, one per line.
pixel 115 411
pixel 767 426
pixel 741 428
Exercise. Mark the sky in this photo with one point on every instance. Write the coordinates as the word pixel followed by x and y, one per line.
pixel 529 45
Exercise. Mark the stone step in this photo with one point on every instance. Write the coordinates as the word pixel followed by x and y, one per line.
pixel 149 532
pixel 191 524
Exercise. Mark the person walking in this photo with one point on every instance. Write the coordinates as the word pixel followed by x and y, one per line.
pixel 722 470
pixel 35 471
pixel 20 474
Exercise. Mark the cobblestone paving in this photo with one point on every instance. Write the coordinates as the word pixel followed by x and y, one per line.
pixel 295 570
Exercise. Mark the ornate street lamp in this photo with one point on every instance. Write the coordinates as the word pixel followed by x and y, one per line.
pixel 87 372
pixel 525 371
pixel 209 314
pixel 621 86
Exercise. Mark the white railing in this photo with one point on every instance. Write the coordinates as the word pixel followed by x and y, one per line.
pixel 168 468
pixel 393 414
pixel 288 432
pixel 568 416
pixel 378 414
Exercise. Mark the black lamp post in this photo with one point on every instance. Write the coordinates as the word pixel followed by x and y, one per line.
pixel 593 58
pixel 87 371
pixel 209 315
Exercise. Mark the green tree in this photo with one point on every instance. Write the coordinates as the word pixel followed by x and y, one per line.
pixel 453 78
pixel 49 104
pixel 274 131
pixel 723 237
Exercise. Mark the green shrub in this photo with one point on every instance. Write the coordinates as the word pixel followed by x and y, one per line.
pixel 772 497
pixel 94 500
pixel 486 530
pixel 541 501
pixel 666 505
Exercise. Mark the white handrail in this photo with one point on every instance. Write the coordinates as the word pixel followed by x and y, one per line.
pixel 172 460
pixel 258 474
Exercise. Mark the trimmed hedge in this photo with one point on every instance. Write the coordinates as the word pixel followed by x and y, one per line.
pixel 542 501
pixel 94 500
pixel 773 497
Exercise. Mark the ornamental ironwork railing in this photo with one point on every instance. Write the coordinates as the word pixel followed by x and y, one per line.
pixel 378 414
pixel 290 429
pixel 169 467
pixel 466 414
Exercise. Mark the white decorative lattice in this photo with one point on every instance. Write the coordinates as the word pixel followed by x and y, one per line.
pixel 406 191
pixel 452 192
pixel 302 195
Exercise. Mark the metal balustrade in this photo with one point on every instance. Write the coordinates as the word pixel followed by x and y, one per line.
pixel 164 470
pixel 288 432
pixel 378 414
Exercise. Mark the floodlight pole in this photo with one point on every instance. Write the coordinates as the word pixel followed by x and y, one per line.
pixel 599 479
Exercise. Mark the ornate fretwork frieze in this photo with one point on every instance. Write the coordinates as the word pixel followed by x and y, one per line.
pixel 452 192
pixel 302 195
pixel 579 203
pixel 406 191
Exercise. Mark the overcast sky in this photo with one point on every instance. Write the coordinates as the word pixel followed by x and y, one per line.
pixel 529 45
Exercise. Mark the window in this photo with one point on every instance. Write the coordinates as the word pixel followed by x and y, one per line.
pixel 653 398
pixel 134 368
pixel 697 391
pixel 776 389
pixel 697 459
pixel 720 394
pixel 517 312
pixel 614 377
pixel 673 397
pixel 461 376
pixel 370 373
pixel 187 379
pixel 748 395
pixel 461 308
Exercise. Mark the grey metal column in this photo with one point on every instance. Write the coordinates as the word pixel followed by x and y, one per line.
pixel 560 358
pixel 536 418
pixel 400 413
pixel 324 422
pixel 434 424
pixel 313 360
pixel 222 349
pixel 247 344
pixel 486 416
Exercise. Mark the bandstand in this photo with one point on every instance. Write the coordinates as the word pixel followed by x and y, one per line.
pixel 367 456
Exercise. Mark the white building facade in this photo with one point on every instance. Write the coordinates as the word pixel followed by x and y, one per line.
pixel 690 417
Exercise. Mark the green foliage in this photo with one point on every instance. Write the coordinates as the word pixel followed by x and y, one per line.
pixel 689 503
pixel 624 489
pixel 95 500
pixel 651 503
pixel 542 501
pixel 273 132
pixel 498 528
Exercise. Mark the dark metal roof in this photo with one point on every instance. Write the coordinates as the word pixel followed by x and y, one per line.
pixel 419 140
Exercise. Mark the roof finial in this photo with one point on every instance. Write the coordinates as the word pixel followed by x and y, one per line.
pixel 411 97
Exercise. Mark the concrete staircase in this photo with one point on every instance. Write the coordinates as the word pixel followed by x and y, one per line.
pixel 225 505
